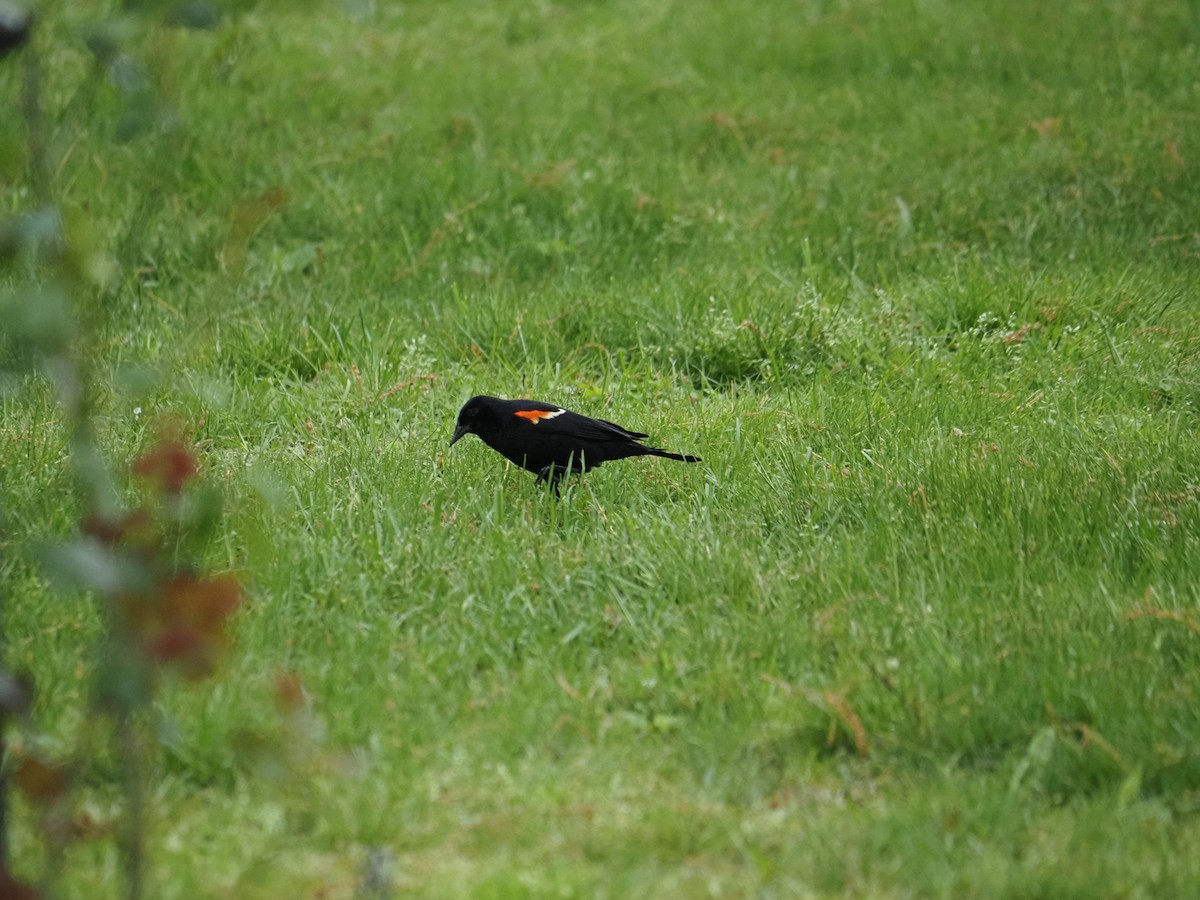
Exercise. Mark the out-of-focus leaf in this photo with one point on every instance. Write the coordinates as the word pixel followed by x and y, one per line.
pixel 289 692
pixel 15 24
pixel 9 240
pixel 39 316
pixel 128 74
pixel 176 643
pixel 135 379
pixel 16 694
pixel 190 632
pixel 38 230
pixel 11 889
pixel 197 15
pixel 122 681
pixel 88 563
pixel 133 528
pixel 170 464
pixel 139 115
pixel 106 39
pixel 202 603
pixel 42 227
pixel 40 781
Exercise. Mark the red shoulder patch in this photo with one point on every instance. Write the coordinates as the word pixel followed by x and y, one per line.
pixel 536 415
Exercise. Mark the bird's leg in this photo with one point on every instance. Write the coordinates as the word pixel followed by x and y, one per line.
pixel 553 474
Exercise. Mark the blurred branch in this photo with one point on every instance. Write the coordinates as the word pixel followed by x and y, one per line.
pixel 162 614
pixel 15 26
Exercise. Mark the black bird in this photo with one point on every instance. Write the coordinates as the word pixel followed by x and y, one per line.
pixel 550 440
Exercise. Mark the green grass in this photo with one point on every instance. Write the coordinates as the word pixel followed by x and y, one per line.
pixel 917 281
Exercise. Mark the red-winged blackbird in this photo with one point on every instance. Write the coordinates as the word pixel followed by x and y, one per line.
pixel 550 440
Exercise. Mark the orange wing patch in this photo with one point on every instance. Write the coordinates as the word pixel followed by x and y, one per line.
pixel 536 415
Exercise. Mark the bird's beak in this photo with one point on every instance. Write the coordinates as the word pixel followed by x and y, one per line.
pixel 459 432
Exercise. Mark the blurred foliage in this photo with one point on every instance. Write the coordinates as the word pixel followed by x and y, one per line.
pixel 140 561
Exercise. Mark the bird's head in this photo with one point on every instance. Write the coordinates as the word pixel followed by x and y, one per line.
pixel 475 415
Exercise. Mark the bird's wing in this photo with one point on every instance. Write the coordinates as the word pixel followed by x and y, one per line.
pixel 597 429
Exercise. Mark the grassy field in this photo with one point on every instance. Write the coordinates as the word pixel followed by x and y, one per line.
pixel 919 282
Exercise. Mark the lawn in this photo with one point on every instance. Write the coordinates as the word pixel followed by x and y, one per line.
pixel 920 282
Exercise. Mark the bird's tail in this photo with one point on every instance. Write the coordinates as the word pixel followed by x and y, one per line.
pixel 667 454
